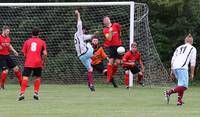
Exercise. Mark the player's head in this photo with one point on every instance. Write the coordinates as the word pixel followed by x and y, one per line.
pixel 106 21
pixel 134 47
pixel 189 39
pixel 95 43
pixel 35 31
pixel 5 30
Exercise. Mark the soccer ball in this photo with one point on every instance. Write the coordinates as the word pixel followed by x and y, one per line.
pixel 121 50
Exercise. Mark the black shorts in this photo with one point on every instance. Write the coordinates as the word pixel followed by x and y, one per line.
pixel 37 72
pixel 112 52
pixel 133 70
pixel 99 67
pixel 6 62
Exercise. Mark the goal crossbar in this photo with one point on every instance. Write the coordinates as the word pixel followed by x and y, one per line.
pixel 68 4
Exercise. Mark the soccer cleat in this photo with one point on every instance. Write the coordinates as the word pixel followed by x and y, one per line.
pixel 114 83
pixel 142 84
pixel 92 88
pixel 21 97
pixel 127 87
pixel 35 96
pixel 167 96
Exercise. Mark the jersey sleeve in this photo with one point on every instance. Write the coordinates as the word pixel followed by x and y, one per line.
pixel 87 37
pixel 79 27
pixel 44 47
pixel 174 56
pixel 103 54
pixel 193 57
pixel 125 57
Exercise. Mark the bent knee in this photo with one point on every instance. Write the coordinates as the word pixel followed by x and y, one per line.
pixel 16 68
pixel 5 71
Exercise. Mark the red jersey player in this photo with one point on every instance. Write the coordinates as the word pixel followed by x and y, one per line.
pixel 34 62
pixel 129 63
pixel 112 41
pixel 6 61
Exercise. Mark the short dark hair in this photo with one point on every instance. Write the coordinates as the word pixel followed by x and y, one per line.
pixel 134 44
pixel 5 27
pixel 35 31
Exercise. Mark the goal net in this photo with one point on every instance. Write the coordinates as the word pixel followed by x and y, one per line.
pixel 58 24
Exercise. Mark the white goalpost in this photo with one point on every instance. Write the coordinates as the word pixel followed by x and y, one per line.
pixel 57 22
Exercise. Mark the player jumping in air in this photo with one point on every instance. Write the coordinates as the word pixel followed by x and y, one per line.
pixel 129 63
pixel 84 50
pixel 98 57
pixel 184 56
pixel 35 53
pixel 6 61
pixel 112 41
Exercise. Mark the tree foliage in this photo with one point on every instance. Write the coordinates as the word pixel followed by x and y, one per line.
pixel 171 21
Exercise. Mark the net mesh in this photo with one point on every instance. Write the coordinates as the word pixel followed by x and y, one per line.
pixel 58 25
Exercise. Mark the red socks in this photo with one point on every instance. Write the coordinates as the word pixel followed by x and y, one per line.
pixel 181 93
pixel 126 79
pixel 3 78
pixel 23 86
pixel 114 67
pixel 178 89
pixel 109 72
pixel 25 83
pixel 36 85
pixel 90 79
pixel 18 74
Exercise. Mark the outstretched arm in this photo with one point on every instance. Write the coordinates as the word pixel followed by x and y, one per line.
pixel 13 50
pixel 88 37
pixel 44 57
pixel 79 22
pixel 193 63
pixel 142 65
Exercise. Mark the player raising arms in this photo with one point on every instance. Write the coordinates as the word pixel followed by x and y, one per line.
pixel 84 50
pixel 129 63
pixel 183 56
pixel 98 57
pixel 112 41
pixel 35 53
pixel 6 61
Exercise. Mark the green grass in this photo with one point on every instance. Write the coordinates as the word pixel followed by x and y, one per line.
pixel 78 101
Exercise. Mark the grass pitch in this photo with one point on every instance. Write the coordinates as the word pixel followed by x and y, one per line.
pixel 78 101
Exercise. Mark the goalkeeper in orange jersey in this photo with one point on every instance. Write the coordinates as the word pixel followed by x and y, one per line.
pixel 98 57
pixel 129 63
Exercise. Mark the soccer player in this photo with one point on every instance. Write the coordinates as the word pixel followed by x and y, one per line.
pixel 183 56
pixel 98 57
pixel 112 41
pixel 35 53
pixel 129 61
pixel 6 61
pixel 84 50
